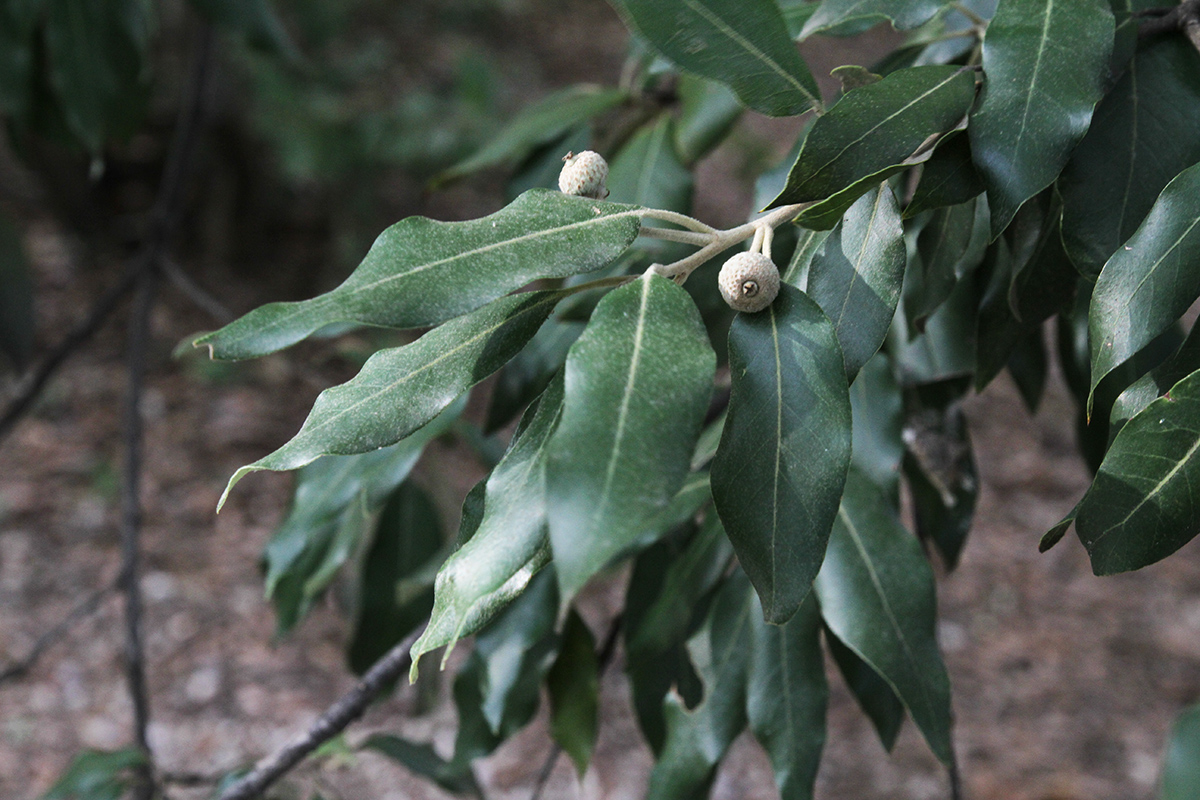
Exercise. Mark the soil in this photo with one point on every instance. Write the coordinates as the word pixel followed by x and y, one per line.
pixel 1064 684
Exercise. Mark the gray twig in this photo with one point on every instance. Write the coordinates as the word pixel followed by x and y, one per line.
pixel 333 721
pixel 85 608
pixel 193 291
pixel 1184 17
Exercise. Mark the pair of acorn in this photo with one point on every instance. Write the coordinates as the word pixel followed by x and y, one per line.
pixel 748 281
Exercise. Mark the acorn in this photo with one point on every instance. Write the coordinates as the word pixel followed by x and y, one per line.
pixel 749 282
pixel 584 175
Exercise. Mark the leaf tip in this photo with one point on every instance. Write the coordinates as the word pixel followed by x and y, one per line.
pixel 233 481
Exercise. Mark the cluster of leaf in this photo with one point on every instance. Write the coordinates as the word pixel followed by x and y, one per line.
pixel 1009 163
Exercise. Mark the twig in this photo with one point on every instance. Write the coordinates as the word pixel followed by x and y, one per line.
pixel 333 721
pixel 32 385
pixel 194 291
pixel 547 769
pixel 81 611
pixel 1184 17
pixel 135 661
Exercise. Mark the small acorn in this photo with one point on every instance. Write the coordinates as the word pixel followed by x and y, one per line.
pixel 584 175
pixel 749 282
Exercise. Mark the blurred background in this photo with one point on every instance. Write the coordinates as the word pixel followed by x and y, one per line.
pixel 322 128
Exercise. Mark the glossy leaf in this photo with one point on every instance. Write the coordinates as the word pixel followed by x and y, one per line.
pixel 903 14
pixel 871 133
pixel 948 178
pixel 742 43
pixel 857 276
pixel 408 538
pixel 707 112
pixel 517 649
pixel 638 383
pixel 16 297
pixel 1150 281
pixel 946 348
pixel 779 470
pixel 877 595
pixel 254 19
pixel 872 693
pixel 400 389
pixel 1044 63
pixel 504 543
pixel 1142 136
pixel 574 685
pixel 421 272
pixel 808 245
pixel 96 65
pixel 877 407
pixel 698 738
pixel 950 245
pixel 1156 382
pixel 537 125
pixel 668 595
pixel 421 759
pixel 1181 763
pixel 647 171
pixel 530 371
pixel 786 697
pixel 1141 506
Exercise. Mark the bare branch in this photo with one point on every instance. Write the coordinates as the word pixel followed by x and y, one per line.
pixel 346 709
pixel 84 609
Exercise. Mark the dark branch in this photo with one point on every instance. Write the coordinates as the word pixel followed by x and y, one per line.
pixel 81 611
pixel 333 721
pixel 195 292
pixel 1184 17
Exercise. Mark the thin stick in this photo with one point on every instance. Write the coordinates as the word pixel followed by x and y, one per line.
pixel 84 609
pixel 543 778
pixel 672 235
pixel 135 659
pixel 333 721
pixel 36 380
pixel 194 291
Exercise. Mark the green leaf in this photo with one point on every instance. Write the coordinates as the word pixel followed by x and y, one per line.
pixel 743 43
pixel 903 14
pixel 16 297
pixel 530 372
pixel 408 538
pixel 647 171
pixel 1157 381
pixel 400 389
pixel 421 759
pixel 504 543
pixel 1044 63
pixel 1181 763
pixel 877 406
pixel 1150 281
pixel 877 595
pixel 786 698
pixel 698 738
pixel 97 775
pixel 573 684
pixel 871 133
pixel 333 495
pixel 638 383
pixel 1142 136
pixel 779 470
pixel 948 178
pixel 96 64
pixel 421 272
pixel 857 277
pixel 808 245
pixel 1141 507
pixel 254 19
pixel 537 125
pixel 667 599
pixel 874 696
pixel 17 21
pixel 946 348
pixel 952 244
pixel 1028 367
pixel 707 112
pixel 517 649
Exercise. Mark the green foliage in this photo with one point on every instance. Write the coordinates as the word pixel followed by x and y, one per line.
pixel 981 179
pixel 97 775
pixel 1181 767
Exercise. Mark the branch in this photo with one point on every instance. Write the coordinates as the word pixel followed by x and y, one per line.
pixel 346 709
pixel 81 611
pixel 1184 17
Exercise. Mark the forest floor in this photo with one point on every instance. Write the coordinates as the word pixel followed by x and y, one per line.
pixel 1064 684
